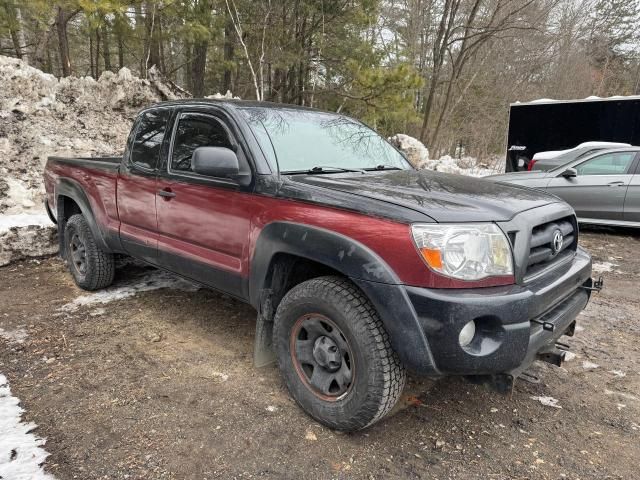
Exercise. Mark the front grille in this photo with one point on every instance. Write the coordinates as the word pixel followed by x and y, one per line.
pixel 543 254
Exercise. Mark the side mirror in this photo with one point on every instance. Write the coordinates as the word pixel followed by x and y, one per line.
pixel 215 162
pixel 569 173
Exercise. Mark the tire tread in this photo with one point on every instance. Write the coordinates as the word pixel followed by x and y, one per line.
pixel 355 304
pixel 100 264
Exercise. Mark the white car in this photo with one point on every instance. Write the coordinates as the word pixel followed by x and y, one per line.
pixel 555 158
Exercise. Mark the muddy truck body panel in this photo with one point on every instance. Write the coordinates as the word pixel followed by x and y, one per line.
pixel 259 230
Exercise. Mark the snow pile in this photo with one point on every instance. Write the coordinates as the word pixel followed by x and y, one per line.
pixel 153 281
pixel 414 149
pixel 21 452
pixel 41 116
pixel 418 155
pixel 226 96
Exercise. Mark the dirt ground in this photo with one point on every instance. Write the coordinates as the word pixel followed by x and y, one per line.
pixel 161 385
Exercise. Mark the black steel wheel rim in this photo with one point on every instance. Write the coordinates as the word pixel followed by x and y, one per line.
pixel 78 254
pixel 322 356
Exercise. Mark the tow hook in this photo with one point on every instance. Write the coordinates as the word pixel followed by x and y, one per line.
pixel 596 286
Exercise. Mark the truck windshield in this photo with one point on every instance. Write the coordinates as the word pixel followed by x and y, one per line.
pixel 318 142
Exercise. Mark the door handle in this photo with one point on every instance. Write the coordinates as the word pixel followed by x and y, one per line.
pixel 618 183
pixel 167 194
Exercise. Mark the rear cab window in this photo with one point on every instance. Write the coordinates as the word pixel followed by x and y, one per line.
pixel 147 141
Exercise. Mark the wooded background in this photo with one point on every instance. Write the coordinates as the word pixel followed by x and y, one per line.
pixel 441 70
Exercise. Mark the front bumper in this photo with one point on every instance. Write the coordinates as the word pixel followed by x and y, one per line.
pixel 508 337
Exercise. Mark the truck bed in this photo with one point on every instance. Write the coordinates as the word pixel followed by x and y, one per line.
pixel 109 163
pixel 91 182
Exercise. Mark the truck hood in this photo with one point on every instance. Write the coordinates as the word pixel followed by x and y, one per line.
pixel 443 197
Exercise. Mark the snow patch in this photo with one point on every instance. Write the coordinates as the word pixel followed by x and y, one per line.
pixel 603 267
pixel 587 365
pixel 468 166
pixel 418 155
pixel 226 96
pixel 21 452
pixel 153 281
pixel 21 220
pixel 222 376
pixel 547 401
pixel 618 373
pixel 25 235
pixel 19 335
pixel 568 356
pixel 628 396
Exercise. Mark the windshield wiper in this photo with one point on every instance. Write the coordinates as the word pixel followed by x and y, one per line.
pixel 384 167
pixel 326 169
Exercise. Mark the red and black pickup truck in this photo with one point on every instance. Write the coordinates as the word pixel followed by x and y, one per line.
pixel 359 266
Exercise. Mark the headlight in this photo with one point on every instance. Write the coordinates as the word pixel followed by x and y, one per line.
pixel 464 251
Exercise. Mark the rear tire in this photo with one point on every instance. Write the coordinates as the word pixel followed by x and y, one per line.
pixel 91 267
pixel 335 355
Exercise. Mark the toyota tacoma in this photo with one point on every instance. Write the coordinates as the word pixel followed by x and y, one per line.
pixel 359 266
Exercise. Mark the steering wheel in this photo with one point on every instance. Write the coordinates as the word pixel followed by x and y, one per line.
pixel 183 163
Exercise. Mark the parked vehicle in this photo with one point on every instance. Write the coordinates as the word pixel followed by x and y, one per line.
pixel 603 188
pixel 554 159
pixel 359 266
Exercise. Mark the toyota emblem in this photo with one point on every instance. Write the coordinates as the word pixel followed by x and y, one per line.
pixel 558 241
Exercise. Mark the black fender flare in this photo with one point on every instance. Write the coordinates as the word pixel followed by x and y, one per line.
pixel 66 187
pixel 359 263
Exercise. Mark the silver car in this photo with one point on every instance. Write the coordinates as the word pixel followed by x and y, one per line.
pixel 603 188
pixel 551 160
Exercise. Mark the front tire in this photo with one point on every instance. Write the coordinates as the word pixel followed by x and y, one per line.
pixel 335 355
pixel 91 267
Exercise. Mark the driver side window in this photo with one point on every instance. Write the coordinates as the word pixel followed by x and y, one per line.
pixel 196 130
pixel 607 164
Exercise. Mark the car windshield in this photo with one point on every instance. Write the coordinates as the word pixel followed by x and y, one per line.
pixel 318 142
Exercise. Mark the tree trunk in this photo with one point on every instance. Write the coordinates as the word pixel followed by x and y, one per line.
pixel 62 19
pixel 187 70
pixel 16 30
pixel 152 40
pixel 198 66
pixel 21 42
pixel 120 51
pixel 92 68
pixel 228 53
pixel 42 53
pixel 97 54
pixel 445 26
pixel 106 47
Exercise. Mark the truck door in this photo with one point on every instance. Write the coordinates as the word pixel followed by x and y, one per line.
pixel 599 189
pixel 136 192
pixel 203 221
pixel 632 199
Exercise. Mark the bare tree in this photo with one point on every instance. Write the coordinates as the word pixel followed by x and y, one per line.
pixel 257 78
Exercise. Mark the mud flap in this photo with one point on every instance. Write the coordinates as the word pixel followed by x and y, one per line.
pixel 263 353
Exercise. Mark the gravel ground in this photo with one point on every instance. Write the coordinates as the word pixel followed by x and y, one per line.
pixel 159 384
